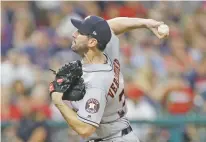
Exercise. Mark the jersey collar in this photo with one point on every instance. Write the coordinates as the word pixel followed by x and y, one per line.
pixel 98 67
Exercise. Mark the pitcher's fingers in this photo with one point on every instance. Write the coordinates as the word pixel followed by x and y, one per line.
pixel 154 30
pixel 160 23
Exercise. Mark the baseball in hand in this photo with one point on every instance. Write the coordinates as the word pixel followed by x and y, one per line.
pixel 163 29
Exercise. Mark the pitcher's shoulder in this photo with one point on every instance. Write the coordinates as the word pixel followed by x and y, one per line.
pixel 97 68
pixel 98 75
pixel 98 79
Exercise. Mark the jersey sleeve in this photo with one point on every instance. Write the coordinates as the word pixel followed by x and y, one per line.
pixel 92 106
pixel 112 48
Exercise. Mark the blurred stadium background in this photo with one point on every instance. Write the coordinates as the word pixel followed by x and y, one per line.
pixel 165 79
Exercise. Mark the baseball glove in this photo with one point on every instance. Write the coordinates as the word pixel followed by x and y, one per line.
pixel 68 81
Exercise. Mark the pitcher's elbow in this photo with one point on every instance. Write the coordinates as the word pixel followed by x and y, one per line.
pixel 86 132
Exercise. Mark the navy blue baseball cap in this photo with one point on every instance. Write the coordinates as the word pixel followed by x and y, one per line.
pixel 94 26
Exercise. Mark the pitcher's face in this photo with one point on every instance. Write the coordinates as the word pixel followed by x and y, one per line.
pixel 80 43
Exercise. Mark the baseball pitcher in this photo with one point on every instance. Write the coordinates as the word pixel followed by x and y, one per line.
pixel 90 93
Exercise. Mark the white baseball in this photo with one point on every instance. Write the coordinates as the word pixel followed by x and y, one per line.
pixel 163 29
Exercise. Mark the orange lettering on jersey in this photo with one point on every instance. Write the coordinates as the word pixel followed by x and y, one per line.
pixel 117 62
pixel 110 93
pixel 114 88
pixel 115 84
pixel 116 72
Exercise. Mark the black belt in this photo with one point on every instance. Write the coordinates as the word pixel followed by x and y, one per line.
pixel 124 132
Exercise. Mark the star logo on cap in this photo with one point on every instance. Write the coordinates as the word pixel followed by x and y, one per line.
pixel 94 33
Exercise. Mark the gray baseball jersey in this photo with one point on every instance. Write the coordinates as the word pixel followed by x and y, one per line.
pixel 104 103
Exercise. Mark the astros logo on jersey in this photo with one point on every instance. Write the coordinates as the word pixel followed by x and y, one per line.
pixel 92 105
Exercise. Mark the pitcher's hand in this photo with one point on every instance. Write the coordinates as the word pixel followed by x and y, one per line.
pixel 153 26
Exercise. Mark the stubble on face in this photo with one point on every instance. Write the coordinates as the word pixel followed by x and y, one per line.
pixel 79 47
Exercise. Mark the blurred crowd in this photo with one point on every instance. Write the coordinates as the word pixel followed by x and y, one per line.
pixel 161 76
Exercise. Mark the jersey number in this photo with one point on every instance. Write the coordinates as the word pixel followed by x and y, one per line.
pixel 121 99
